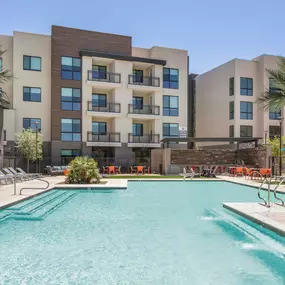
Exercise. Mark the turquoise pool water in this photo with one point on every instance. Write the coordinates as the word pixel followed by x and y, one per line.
pixel 152 233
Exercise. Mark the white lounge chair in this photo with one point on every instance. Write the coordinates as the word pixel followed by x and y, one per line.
pixel 190 174
pixel 33 175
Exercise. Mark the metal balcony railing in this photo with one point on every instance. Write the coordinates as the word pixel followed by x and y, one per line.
pixel 144 109
pixel 110 107
pixel 104 76
pixel 103 137
pixel 144 80
pixel 145 138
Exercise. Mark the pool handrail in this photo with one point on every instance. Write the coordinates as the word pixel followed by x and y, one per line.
pixel 37 188
pixel 282 179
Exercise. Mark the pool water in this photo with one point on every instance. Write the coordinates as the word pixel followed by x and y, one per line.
pixel 152 233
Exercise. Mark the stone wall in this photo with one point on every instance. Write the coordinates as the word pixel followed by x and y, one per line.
pixel 253 156
pixel 205 156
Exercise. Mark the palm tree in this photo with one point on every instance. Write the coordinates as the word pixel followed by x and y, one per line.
pixel 5 75
pixel 274 96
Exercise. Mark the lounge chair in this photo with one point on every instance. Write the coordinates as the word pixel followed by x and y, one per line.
pixel 6 177
pixel 14 176
pixel 186 174
pixel 34 175
pixel 213 171
pixel 24 176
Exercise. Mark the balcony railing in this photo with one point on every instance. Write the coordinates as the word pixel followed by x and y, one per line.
pixel 145 138
pixel 104 76
pixel 144 80
pixel 110 107
pixel 144 109
pixel 103 137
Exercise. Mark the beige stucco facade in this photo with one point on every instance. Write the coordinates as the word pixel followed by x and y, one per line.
pixel 213 98
pixel 124 92
pixel 151 61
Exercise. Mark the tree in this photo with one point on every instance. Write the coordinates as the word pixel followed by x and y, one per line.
pixel 275 145
pixel 83 170
pixel 274 96
pixel 26 144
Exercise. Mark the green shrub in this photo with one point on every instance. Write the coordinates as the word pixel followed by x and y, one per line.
pixel 83 170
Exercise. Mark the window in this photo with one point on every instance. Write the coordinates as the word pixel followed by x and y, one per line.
pixel 170 130
pixel 137 102
pixel 99 71
pixel 170 106
pixel 32 63
pixel 32 94
pixel 71 99
pixel 232 131
pixel 138 130
pixel 31 123
pixel 232 86
pixel 246 86
pixel 70 68
pixel 274 114
pixel 71 130
pixel 274 131
pixel 170 78
pixel 1 63
pixel 99 128
pixel 99 100
pixel 138 75
pixel 245 131
pixel 232 110
pixel 68 155
pixel 246 110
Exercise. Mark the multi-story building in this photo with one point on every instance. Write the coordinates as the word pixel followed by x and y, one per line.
pixel 94 94
pixel 226 96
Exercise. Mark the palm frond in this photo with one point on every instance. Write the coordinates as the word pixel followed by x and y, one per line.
pixel 274 96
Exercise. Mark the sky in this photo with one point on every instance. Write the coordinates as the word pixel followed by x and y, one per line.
pixel 213 31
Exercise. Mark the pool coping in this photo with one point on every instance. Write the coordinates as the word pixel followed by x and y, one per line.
pixel 255 217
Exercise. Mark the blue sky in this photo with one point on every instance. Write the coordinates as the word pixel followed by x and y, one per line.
pixel 213 32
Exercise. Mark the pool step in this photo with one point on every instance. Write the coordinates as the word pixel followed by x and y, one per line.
pixel 41 212
pixel 31 208
pixel 4 214
pixel 34 200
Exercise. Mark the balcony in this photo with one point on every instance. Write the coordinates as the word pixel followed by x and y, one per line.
pixel 103 139
pixel 145 140
pixel 105 80
pixel 144 82
pixel 110 110
pixel 144 111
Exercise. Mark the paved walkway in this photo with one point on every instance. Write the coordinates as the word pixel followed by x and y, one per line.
pixel 7 191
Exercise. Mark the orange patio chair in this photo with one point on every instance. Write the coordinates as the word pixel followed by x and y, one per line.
pixel 265 172
pixel 112 170
pixel 239 170
pixel 140 169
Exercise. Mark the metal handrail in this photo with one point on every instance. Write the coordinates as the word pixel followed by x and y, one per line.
pixel 144 109
pixel 266 204
pixel 94 75
pixel 111 107
pixel 26 188
pixel 144 80
pixel 282 179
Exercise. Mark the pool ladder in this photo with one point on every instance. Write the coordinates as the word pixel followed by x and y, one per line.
pixel 281 179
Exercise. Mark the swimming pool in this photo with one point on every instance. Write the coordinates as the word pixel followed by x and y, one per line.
pixel 151 233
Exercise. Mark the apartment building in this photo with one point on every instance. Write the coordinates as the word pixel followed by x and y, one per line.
pixel 94 94
pixel 226 96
